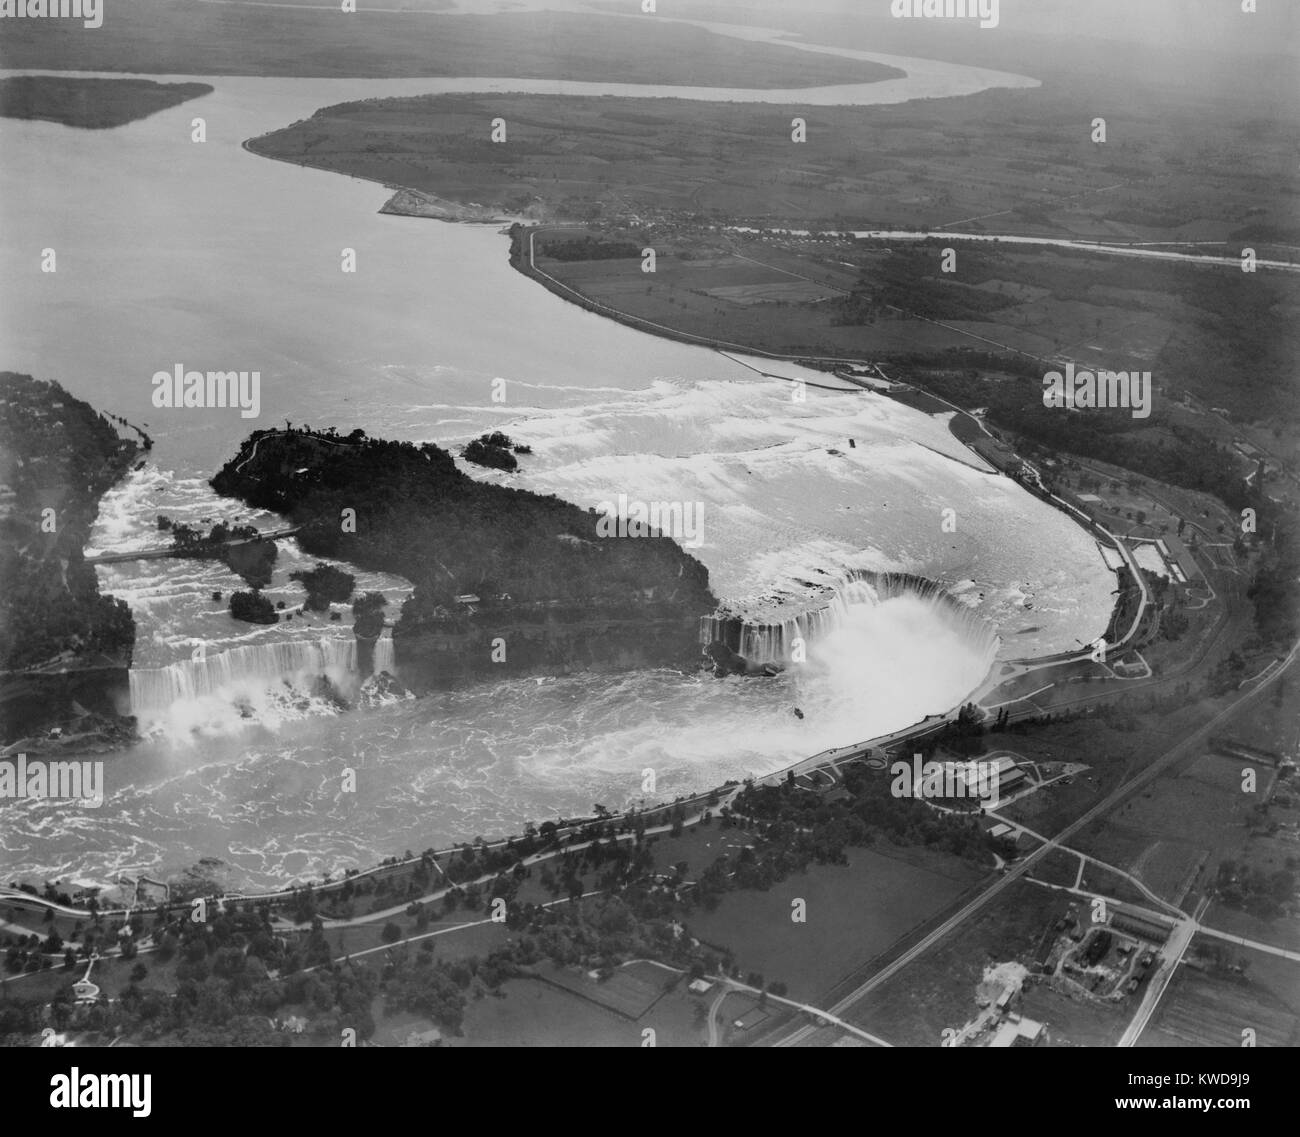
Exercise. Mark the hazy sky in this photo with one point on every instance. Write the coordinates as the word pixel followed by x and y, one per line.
pixel 1205 25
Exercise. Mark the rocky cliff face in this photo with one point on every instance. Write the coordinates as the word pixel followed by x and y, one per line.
pixel 493 646
pixel 77 709
pixel 65 649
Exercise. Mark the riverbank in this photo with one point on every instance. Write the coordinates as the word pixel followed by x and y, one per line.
pixel 67 648
pixel 522 259
pixel 91 104
pixel 969 430
pixel 507 582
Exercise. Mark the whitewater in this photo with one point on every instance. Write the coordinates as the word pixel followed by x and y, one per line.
pixel 173 251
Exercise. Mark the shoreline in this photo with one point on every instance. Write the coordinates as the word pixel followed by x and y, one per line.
pixel 396 191
pixel 998 670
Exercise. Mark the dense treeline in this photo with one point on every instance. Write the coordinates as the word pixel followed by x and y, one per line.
pixel 1156 447
pixel 238 546
pixel 325 585
pixel 407 509
pixel 228 983
pixel 802 827
pixel 1255 890
pixel 1275 591
pixel 588 249
pixel 243 970
pixel 58 456
pixel 1228 344
pixel 913 280
pixel 1236 349
pixel 93 104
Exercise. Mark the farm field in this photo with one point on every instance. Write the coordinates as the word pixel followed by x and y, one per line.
pixel 535 1013
pixel 688 179
pixel 1074 1021
pixel 1212 1007
pixel 937 991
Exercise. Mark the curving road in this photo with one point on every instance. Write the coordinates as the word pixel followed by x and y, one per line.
pixel 1168 758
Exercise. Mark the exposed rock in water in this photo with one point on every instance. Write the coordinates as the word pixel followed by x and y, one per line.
pixel 322 688
pixel 383 688
pixel 727 662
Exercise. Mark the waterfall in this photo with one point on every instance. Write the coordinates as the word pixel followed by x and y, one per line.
pixel 774 641
pixel 384 658
pixel 243 674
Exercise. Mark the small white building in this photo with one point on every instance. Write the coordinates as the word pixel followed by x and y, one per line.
pixel 1017 1031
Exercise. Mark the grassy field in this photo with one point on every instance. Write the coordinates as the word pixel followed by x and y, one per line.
pixel 673 175
pixel 1176 832
pixel 937 991
pixel 1072 1021
pixel 1198 810
pixel 854 913
pixel 1058 867
pixel 455 942
pixel 1111 752
pixel 534 1013
pixel 1170 868
pixel 1212 1002
pixel 1008 161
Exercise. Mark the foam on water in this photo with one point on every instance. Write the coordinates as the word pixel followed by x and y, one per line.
pixel 485 759
pixel 816 491
pixel 791 530
pixel 409 349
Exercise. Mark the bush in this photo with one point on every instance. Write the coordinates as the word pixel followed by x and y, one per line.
pixel 325 585
pixel 252 607
pixel 485 454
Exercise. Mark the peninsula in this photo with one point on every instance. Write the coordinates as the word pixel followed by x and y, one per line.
pixel 92 104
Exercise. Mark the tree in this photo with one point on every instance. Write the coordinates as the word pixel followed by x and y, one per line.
pixel 253 608
pixel 391 933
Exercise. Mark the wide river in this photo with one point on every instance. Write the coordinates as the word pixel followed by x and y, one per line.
pixel 202 254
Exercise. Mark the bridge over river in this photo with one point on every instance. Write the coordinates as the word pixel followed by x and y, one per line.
pixel 160 554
